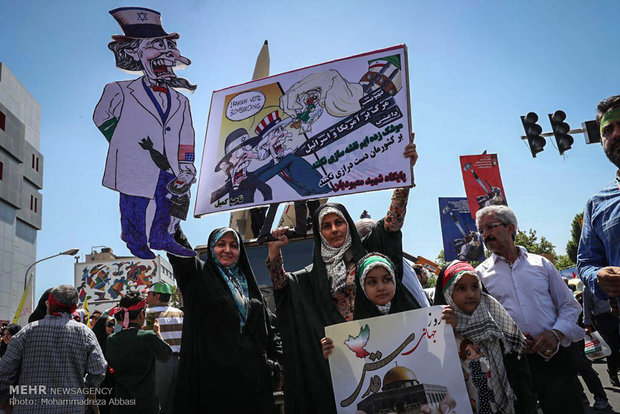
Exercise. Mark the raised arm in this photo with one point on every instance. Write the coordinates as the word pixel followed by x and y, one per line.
pixel 395 217
pixel 183 267
pixel 274 259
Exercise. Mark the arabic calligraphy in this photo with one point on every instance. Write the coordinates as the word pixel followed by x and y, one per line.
pixel 396 176
pixel 373 366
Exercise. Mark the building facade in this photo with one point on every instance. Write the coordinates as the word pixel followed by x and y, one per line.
pixel 21 179
pixel 103 278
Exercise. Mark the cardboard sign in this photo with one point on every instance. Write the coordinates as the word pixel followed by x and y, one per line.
pixel 326 130
pixel 407 359
pixel 483 184
pixel 461 241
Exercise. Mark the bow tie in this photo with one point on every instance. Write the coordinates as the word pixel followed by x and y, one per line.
pixel 159 89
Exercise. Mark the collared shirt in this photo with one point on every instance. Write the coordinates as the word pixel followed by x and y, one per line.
pixel 533 293
pixel 599 245
pixel 170 324
pixel 593 306
pixel 52 354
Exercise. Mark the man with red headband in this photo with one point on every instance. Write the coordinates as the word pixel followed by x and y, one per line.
pixel 543 307
pixel 132 353
pixel 55 352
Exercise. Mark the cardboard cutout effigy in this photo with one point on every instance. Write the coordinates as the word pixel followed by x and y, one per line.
pixel 397 363
pixel 148 123
pixel 331 129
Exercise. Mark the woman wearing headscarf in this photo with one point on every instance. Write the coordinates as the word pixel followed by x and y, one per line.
pixel 5 336
pixel 41 310
pixel 228 344
pixel 327 292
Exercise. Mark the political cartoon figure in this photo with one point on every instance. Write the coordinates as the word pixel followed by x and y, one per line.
pixel 294 170
pixel 148 124
pixel 240 185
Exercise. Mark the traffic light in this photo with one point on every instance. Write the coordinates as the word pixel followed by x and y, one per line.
pixel 532 132
pixel 560 131
pixel 591 131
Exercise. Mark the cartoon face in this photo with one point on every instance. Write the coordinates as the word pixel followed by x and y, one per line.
pixel 309 98
pixel 158 56
pixel 276 140
pixel 472 351
pixel 379 285
pixel 237 165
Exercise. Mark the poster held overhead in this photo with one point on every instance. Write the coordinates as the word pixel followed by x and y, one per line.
pixel 461 241
pixel 407 359
pixel 148 124
pixel 330 129
pixel 483 183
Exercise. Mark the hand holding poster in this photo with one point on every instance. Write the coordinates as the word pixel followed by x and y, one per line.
pixel 406 359
pixel 483 184
pixel 331 129
pixel 461 241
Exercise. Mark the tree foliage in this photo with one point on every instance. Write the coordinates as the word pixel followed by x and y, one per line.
pixel 530 241
pixel 571 246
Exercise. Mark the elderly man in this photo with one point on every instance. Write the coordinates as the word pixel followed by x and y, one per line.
pixel 598 257
pixel 533 293
pixel 52 364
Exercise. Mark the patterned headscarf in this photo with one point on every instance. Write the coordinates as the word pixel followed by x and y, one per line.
pixel 233 276
pixel 368 262
pixel 334 256
pixel 488 325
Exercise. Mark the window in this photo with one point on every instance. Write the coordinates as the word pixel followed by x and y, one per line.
pixel 37 165
pixel 33 161
pixel 35 204
pixel 31 202
pixel 2 121
pixel 1 170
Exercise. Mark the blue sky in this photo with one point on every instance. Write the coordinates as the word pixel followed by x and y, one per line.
pixel 475 67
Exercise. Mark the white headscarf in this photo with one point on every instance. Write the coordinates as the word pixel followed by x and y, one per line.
pixel 333 256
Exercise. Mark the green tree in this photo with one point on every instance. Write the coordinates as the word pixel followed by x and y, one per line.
pixel 562 262
pixel 175 298
pixel 571 246
pixel 530 241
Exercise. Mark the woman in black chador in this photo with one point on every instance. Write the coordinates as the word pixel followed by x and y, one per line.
pixel 229 349
pixel 327 292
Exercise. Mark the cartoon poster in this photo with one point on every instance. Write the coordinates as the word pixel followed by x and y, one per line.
pixel 148 125
pixel 396 363
pixel 461 241
pixel 326 130
pixel 483 184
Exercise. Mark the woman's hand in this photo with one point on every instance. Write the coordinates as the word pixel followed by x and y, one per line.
pixel 328 347
pixel 449 316
pixel 275 246
pixel 410 151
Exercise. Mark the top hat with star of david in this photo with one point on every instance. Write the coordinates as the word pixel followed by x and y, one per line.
pixel 139 23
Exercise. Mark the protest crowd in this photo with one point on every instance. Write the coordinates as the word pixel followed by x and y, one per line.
pixel 226 352
pixel 519 330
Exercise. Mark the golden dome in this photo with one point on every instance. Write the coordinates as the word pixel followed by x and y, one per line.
pixel 398 374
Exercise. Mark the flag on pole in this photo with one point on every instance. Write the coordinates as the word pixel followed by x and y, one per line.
pixel 22 301
pixel 86 312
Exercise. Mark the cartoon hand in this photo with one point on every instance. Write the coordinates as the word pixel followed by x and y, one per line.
pixel 146 143
pixel 337 95
pixel 188 167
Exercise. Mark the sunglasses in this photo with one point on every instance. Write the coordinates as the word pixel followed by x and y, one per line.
pixel 110 324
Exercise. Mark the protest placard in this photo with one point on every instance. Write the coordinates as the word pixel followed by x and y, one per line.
pixel 396 363
pixel 461 241
pixel 483 183
pixel 326 130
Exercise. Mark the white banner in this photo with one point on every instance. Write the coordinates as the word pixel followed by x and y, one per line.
pixel 322 131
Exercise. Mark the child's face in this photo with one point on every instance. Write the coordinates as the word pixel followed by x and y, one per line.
pixel 466 294
pixel 379 285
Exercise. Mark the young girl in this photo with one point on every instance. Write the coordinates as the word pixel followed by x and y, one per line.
pixel 377 279
pixel 484 333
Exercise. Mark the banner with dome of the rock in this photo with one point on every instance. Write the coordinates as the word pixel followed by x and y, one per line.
pixel 326 130
pixel 397 362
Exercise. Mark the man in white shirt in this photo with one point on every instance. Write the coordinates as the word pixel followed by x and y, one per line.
pixel 532 291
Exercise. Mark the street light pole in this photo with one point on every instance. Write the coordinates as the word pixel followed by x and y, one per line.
pixel 70 252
